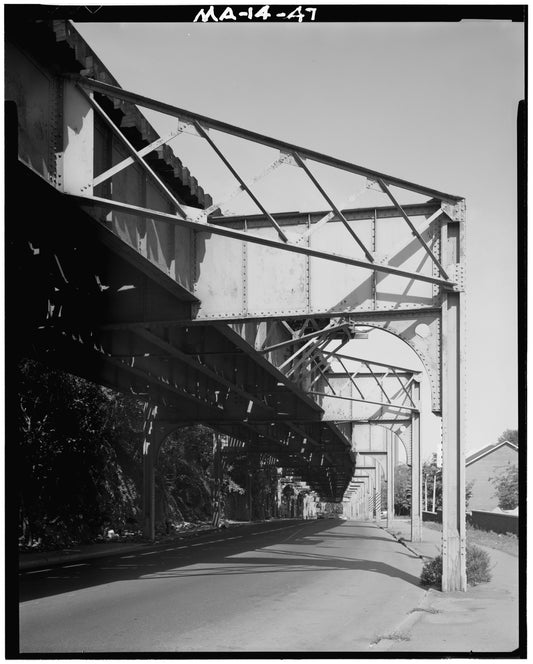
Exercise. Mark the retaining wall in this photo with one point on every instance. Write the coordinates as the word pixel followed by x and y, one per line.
pixel 499 523
pixel 432 516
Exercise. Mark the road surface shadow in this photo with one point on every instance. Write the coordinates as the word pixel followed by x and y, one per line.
pixel 270 565
pixel 169 561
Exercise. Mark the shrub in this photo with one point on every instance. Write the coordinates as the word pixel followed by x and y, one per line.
pixel 477 565
pixel 432 572
pixel 477 568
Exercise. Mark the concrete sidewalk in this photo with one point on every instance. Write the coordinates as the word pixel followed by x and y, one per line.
pixel 482 620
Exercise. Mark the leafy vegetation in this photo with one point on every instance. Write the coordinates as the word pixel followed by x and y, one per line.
pixel 432 485
pixel 402 489
pixel 80 466
pixel 509 434
pixel 477 568
pixel 477 565
pixel 79 458
pixel 506 485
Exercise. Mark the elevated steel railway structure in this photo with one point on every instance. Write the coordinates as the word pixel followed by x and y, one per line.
pixel 134 278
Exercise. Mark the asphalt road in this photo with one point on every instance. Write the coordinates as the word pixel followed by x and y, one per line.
pixel 307 586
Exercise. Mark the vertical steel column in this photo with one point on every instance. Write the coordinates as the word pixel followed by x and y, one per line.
pixel 416 485
pixel 390 477
pixel 148 493
pixel 149 456
pixel 154 434
pixel 249 487
pixel 218 481
pixel 371 498
pixel 453 461
pixel 453 405
pixel 377 491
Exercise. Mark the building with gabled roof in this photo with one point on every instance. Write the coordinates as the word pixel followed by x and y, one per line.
pixel 482 466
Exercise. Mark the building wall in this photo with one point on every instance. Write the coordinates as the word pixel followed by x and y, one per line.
pixel 490 465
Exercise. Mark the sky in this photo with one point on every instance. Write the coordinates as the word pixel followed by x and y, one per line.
pixel 433 103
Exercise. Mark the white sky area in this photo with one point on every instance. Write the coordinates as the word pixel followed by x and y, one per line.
pixel 433 103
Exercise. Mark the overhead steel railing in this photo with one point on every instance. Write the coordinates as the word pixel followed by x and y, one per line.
pixel 169 109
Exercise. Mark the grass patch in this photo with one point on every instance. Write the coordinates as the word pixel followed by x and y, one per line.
pixel 508 543
pixel 431 610
pixel 393 636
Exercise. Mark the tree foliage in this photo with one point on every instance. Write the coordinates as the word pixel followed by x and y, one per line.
pixel 509 434
pixel 185 476
pixel 506 485
pixel 80 464
pixel 432 477
pixel 78 444
pixel 468 491
pixel 402 489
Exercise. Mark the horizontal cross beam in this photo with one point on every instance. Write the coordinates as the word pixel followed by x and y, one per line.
pixel 95 201
pixel 376 403
pixel 378 364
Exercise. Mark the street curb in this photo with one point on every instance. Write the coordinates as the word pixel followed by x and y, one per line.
pixel 414 615
pixel 54 558
pixel 409 547
pixel 407 623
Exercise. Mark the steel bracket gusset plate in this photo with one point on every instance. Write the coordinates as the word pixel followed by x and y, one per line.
pixel 455 212
pixel 457 275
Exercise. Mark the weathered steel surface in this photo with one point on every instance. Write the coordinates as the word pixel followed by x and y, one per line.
pixel 301 285
pixel 35 91
pixel 453 424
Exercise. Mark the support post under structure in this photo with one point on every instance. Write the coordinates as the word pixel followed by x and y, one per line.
pixel 390 477
pixel 416 484
pixel 453 409
pixel 360 499
pixel 154 434
pixel 217 498
pixel 370 501
pixel 377 493
pixel 453 458
pixel 249 491
pixel 149 458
